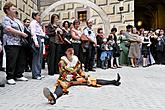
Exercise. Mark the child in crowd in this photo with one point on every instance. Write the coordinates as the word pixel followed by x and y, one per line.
pixel 105 54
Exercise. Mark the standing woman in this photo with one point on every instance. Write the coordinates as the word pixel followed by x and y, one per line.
pixel 145 48
pixel 76 34
pixel 134 50
pixel 55 45
pixel 66 34
pixel 38 40
pixel 13 31
pixel 124 46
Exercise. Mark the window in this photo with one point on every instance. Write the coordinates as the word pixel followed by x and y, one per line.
pixel 82 16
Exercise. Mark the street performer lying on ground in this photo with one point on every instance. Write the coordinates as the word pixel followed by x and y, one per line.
pixel 71 74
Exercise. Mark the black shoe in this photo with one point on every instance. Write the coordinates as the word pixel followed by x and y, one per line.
pixel 92 69
pixel 117 83
pixel 27 70
pixel 2 85
pixel 103 67
pixel 86 70
pixel 119 67
pixel 2 69
pixel 145 66
pixel 49 95
pixel 118 77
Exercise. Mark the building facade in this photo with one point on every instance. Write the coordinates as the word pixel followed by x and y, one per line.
pixel 70 11
pixel 119 13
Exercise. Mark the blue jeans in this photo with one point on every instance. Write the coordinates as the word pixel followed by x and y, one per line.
pixel 37 59
pixel 105 54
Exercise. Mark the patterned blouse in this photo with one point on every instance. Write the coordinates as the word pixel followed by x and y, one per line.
pixel 9 38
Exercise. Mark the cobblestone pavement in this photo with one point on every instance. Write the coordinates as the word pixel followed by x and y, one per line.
pixel 141 89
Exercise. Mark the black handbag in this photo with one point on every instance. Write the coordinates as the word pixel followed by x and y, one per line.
pixel 24 42
pixel 85 45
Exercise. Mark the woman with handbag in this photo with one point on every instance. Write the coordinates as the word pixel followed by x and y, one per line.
pixel 56 44
pixel 13 32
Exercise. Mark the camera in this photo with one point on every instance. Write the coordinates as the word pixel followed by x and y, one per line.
pixel 89 32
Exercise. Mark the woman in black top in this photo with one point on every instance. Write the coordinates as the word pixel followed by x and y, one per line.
pixel 55 44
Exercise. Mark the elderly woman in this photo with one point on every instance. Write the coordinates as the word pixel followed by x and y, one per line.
pixel 38 38
pixel 71 74
pixel 13 31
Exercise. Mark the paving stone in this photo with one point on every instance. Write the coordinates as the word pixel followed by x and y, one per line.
pixel 141 89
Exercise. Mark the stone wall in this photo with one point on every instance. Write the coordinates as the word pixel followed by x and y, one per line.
pixel 111 7
pixel 69 11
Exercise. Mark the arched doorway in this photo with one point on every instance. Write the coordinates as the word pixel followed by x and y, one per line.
pixel 150 13
pixel 88 3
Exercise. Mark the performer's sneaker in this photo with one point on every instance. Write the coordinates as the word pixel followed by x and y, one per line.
pixel 49 95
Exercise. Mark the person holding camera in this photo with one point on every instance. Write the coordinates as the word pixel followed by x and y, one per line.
pixel 91 50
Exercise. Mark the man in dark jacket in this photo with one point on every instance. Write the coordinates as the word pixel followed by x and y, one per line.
pixel 29 53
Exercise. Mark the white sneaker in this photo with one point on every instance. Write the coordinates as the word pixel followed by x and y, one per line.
pixel 39 78
pixel 42 76
pixel 22 79
pixel 11 82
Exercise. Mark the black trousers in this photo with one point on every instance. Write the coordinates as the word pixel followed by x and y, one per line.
pixel 160 57
pixel 90 56
pixel 29 57
pixel 55 52
pixel 77 48
pixel 15 61
pixel 58 91
pixel 105 82
pixel 1 59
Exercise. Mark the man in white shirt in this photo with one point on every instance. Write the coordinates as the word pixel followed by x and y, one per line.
pixel 90 51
